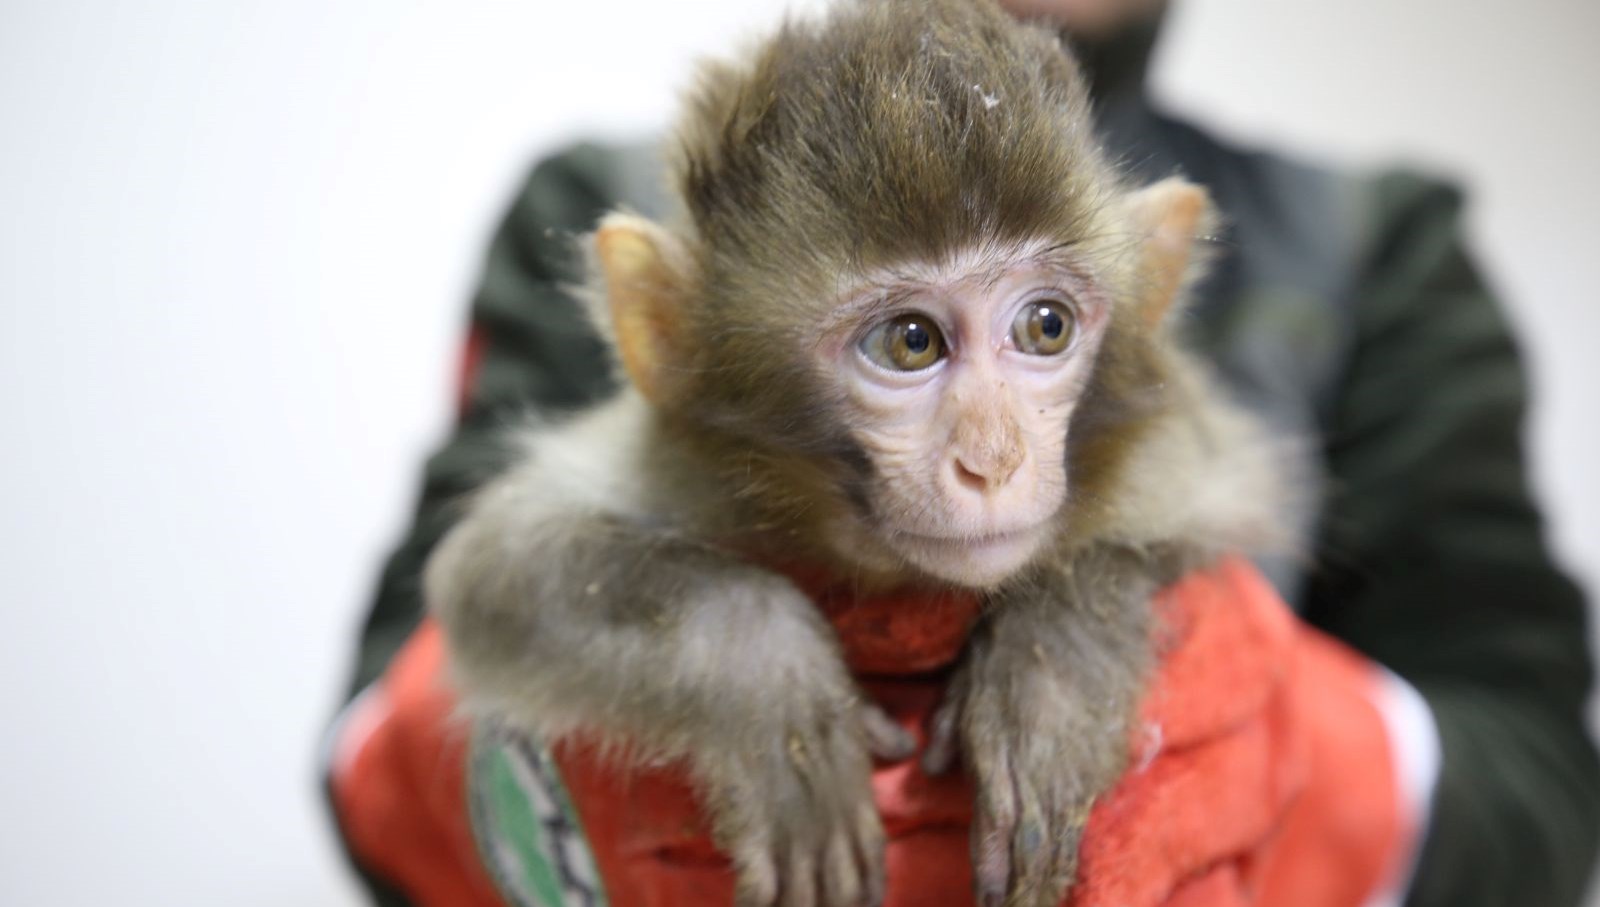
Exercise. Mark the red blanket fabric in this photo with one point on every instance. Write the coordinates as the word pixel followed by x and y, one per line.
pixel 1264 776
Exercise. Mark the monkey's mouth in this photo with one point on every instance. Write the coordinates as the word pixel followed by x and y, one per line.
pixel 977 540
pixel 977 560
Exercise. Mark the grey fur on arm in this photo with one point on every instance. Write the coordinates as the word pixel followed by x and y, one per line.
pixel 565 617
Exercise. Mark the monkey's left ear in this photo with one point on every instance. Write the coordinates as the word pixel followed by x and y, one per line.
pixel 642 268
pixel 1171 215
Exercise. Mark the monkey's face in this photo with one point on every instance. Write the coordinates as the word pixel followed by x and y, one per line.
pixel 960 381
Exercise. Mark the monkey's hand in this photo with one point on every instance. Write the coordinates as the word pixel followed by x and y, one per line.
pixel 1041 709
pixel 784 766
pixel 792 804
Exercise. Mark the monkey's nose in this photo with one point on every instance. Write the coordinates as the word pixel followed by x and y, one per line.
pixel 985 476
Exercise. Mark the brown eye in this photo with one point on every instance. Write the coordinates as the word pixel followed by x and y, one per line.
pixel 1044 328
pixel 907 343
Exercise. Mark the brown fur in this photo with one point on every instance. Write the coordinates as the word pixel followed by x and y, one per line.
pixel 858 142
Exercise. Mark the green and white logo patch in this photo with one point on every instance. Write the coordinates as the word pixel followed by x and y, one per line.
pixel 525 825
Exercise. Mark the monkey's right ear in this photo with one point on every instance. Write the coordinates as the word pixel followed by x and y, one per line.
pixel 641 267
pixel 1172 215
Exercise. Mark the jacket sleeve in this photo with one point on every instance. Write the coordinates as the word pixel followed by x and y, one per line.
pixel 529 347
pixel 1432 560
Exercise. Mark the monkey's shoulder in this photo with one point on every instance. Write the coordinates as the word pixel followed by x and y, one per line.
pixel 615 457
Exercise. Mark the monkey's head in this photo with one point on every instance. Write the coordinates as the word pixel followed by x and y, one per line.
pixel 908 301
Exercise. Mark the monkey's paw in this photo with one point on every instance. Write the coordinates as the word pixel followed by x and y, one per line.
pixel 1034 776
pixel 794 811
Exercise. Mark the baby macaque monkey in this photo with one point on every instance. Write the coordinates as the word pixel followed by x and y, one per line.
pixel 911 329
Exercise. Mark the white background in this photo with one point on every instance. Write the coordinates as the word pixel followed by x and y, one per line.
pixel 235 245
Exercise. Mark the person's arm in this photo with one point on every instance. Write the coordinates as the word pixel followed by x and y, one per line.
pixel 530 346
pixel 1432 560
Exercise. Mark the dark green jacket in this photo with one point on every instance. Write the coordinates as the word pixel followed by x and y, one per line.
pixel 1344 309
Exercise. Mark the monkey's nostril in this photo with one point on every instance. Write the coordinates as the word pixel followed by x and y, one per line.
pixel 970 478
pixel 985 475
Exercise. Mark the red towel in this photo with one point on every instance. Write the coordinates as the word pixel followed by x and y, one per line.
pixel 1265 774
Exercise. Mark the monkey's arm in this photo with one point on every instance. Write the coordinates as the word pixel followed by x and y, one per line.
pixel 1043 707
pixel 1433 562
pixel 568 618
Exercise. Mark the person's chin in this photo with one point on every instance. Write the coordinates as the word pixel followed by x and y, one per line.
pixel 979 562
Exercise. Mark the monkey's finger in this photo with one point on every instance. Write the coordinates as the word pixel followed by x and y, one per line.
pixel 870 843
pixel 874 885
pixel 991 862
pixel 841 875
pixel 1032 845
pixel 941 752
pixel 757 871
pixel 848 823
pixel 886 739
pixel 993 826
pixel 1064 862
pixel 1071 847
pixel 757 884
pixel 798 887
